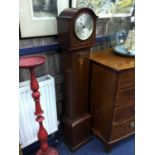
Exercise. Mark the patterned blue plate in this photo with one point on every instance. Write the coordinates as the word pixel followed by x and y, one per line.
pixel 121 50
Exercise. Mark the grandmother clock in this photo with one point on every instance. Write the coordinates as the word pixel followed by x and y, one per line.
pixel 77 31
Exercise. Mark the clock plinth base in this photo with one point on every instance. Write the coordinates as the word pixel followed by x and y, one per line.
pixel 51 151
pixel 78 132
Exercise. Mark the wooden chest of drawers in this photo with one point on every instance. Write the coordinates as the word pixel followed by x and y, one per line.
pixel 112 96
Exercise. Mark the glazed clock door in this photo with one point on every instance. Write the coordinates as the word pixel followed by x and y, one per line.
pixel 84 26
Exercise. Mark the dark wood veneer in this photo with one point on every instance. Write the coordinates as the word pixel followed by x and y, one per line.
pixel 124 112
pixel 77 119
pixel 112 96
pixel 125 96
pixel 67 37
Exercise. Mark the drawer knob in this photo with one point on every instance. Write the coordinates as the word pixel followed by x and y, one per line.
pixel 132 125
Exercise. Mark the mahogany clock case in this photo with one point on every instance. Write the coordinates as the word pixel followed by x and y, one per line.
pixel 77 119
pixel 66 30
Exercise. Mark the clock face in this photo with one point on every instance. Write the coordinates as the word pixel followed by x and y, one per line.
pixel 84 26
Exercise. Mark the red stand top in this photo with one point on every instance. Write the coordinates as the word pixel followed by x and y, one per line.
pixel 31 61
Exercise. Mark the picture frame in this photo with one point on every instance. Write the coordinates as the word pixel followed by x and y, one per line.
pixel 107 8
pixel 38 17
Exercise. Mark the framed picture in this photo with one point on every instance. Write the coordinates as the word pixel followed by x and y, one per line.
pixel 38 17
pixel 107 8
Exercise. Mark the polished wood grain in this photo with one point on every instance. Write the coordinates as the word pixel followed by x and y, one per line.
pixel 77 119
pixel 122 129
pixel 112 96
pixel 126 78
pixel 124 112
pixel 76 72
pixel 77 132
pixel 112 60
pixel 125 96
pixel 103 85
pixel 66 31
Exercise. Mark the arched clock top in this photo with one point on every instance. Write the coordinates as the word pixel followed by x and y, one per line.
pixel 73 33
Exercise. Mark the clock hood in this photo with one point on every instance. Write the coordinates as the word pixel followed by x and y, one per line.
pixel 66 29
pixel 73 12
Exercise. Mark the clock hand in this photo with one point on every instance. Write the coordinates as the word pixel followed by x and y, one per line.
pixel 82 25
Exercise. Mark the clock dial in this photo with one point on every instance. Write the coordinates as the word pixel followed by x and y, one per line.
pixel 84 26
pixel 77 28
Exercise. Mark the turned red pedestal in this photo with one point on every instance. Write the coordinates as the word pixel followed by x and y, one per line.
pixel 30 63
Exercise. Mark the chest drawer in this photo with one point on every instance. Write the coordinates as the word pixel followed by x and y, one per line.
pixel 124 113
pixel 112 95
pixel 122 129
pixel 126 79
pixel 125 96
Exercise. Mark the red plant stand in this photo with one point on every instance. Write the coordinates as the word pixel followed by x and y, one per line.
pixel 30 63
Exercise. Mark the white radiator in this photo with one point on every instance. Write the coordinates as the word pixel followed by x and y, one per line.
pixel 28 127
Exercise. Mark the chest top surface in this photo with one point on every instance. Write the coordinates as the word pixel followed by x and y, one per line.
pixel 112 60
